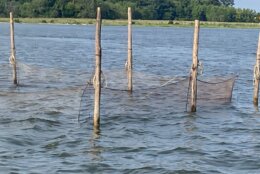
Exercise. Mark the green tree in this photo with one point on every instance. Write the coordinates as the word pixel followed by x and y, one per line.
pixel 210 10
pixel 199 12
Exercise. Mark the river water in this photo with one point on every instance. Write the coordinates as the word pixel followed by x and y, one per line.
pixel 40 132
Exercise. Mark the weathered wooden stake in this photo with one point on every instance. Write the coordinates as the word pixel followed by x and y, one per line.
pixel 194 67
pixel 13 57
pixel 97 77
pixel 257 74
pixel 129 58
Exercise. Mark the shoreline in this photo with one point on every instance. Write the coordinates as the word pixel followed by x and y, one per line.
pixel 122 22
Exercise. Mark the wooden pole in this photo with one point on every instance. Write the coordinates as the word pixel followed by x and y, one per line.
pixel 194 67
pixel 97 77
pixel 13 57
pixel 257 74
pixel 130 54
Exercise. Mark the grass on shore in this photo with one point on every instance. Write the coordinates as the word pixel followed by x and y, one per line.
pixel 163 23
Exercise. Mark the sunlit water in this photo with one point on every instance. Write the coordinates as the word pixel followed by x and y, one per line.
pixel 40 132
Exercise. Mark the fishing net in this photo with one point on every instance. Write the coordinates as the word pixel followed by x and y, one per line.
pixel 152 93
pixel 156 93
pixel 41 93
pixel 37 78
pixel 55 73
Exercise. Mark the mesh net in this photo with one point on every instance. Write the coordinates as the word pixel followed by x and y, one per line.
pixel 152 93
pixel 156 93
pixel 36 78
pixel 59 67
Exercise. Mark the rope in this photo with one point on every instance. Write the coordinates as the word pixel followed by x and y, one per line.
pixel 256 73
pixel 200 68
pixel 187 99
pixel 126 65
pixel 12 59
pixel 13 62
pixel 237 89
pixel 94 81
pixel 214 83
pixel 91 82
pixel 81 100
pixel 171 80
pixel 103 80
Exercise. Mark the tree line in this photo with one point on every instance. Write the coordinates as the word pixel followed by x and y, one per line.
pixel 205 10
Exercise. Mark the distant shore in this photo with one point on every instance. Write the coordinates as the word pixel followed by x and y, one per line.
pixel 119 22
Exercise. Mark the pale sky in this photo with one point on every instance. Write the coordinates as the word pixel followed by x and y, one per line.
pixel 251 4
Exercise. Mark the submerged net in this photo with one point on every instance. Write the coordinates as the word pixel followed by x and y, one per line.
pixel 56 90
pixel 152 93
pixel 35 78
pixel 155 93
pixel 61 78
pixel 41 91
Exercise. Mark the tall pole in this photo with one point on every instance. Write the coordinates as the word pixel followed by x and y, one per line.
pixel 194 67
pixel 97 78
pixel 13 57
pixel 130 54
pixel 257 74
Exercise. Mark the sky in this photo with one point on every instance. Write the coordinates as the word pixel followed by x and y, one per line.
pixel 251 4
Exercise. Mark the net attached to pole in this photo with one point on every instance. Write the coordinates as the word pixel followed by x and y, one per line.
pixel 154 93
pixel 151 94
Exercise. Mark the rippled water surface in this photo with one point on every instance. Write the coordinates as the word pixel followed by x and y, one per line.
pixel 40 132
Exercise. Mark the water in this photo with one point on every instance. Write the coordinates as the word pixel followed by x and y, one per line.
pixel 38 121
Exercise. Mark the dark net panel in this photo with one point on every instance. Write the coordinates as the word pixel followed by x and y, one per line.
pixel 152 93
pixel 217 88
pixel 213 91
pixel 163 94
